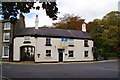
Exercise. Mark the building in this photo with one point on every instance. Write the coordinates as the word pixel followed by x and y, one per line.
pixel 8 32
pixel 44 44
pixel 6 38
pixel 52 45
pixel 0 39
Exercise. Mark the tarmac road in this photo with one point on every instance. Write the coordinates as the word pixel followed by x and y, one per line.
pixel 72 70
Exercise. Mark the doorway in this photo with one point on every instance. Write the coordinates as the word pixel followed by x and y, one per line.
pixel 60 52
pixel 27 53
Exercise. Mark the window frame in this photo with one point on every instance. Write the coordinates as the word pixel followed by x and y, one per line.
pixel 86 43
pixel 86 52
pixel 72 54
pixel 3 56
pixel 4 36
pixel 7 24
pixel 47 53
pixel 48 41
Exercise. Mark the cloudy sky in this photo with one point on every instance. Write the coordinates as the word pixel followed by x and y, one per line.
pixel 86 9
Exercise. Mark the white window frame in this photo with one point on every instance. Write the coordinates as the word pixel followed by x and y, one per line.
pixel 73 54
pixel 4 51
pixel 87 54
pixel 7 26
pixel 48 53
pixel 4 34
pixel 48 40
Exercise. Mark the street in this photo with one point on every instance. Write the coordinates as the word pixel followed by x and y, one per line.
pixel 72 70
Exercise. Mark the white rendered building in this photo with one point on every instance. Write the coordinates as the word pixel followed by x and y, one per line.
pixel 52 45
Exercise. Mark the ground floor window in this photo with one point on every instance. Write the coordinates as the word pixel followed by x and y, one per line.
pixel 5 52
pixel 85 53
pixel 71 53
pixel 48 53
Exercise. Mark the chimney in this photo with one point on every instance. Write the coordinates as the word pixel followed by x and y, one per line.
pixel 84 27
pixel 36 22
pixel 21 17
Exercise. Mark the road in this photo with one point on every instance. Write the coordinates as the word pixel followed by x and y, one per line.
pixel 72 70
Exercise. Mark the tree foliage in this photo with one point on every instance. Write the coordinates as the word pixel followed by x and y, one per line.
pixel 11 9
pixel 69 22
pixel 106 32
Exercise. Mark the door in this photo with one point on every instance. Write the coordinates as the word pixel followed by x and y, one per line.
pixel 27 53
pixel 60 52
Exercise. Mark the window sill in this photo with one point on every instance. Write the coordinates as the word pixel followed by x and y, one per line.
pixel 6 41
pixel 48 57
pixel 7 29
pixel 71 57
pixel 86 57
pixel 5 56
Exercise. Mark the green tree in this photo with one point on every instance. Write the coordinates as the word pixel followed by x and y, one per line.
pixel 106 33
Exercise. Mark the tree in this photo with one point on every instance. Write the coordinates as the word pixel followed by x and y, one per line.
pixel 112 18
pixel 69 22
pixel 11 9
pixel 106 32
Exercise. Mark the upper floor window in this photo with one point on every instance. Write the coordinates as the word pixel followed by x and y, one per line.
pixel 85 53
pixel 48 53
pixel 86 43
pixel 48 41
pixel 6 37
pixel 71 53
pixel 5 52
pixel 7 26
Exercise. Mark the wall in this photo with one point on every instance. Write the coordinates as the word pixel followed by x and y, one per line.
pixel 40 48
pixel 20 24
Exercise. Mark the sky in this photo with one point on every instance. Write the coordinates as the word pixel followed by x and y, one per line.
pixel 86 9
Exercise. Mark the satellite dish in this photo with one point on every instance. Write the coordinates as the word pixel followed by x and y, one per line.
pixel 84 27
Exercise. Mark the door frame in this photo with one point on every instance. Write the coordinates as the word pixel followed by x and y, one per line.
pixel 21 53
pixel 60 53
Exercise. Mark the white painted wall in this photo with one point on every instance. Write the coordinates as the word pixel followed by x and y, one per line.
pixel 40 48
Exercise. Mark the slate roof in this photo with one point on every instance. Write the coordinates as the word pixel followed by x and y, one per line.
pixel 47 32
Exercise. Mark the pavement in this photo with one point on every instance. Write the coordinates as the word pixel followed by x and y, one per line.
pixel 33 63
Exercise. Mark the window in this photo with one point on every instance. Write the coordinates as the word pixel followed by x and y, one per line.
pixel 71 43
pixel 5 52
pixel 86 43
pixel 48 53
pixel 85 53
pixel 6 37
pixel 48 41
pixel 7 26
pixel 70 53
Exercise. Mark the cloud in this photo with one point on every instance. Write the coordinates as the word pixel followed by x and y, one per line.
pixel 87 9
